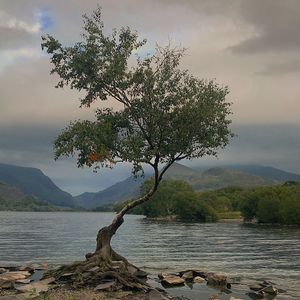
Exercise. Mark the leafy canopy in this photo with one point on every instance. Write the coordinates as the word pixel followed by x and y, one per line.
pixel 166 114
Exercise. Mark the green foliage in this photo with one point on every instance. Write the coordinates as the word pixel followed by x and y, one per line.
pixel 190 208
pixel 26 203
pixel 229 215
pixel 164 113
pixel 278 204
pixel 174 198
pixel 165 200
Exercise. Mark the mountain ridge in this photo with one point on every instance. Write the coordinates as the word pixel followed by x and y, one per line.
pixel 33 182
pixel 212 178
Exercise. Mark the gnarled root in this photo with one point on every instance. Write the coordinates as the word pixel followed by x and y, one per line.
pixel 100 267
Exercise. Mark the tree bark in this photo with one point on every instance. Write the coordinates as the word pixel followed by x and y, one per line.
pixel 106 233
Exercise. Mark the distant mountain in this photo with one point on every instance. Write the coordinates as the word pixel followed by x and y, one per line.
pixel 214 178
pixel 267 172
pixel 181 172
pixel 121 191
pixel 11 198
pixel 33 182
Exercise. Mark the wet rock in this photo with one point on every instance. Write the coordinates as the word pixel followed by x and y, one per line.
pixel 172 280
pixel 270 290
pixel 163 275
pixel 214 279
pixel 199 279
pixel 14 275
pixel 188 276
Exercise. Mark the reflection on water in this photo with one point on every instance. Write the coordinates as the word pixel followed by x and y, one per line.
pixel 246 252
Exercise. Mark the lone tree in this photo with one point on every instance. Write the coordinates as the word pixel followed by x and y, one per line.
pixel 164 114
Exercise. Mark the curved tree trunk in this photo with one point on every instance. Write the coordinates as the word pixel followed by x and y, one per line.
pixel 106 233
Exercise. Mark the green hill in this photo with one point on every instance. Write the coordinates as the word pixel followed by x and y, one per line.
pixel 11 198
pixel 217 178
pixel 34 183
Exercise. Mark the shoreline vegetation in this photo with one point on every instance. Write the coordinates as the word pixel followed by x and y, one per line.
pixel 177 201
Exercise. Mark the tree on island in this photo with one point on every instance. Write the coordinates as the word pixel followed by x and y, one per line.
pixel 164 114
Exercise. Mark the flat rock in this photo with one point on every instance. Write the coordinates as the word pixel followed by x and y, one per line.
pixel 233 298
pixel 199 279
pixel 214 279
pixel 173 280
pixel 24 281
pixel 8 298
pixel 14 275
pixel 37 287
pixel 164 275
pixel 66 276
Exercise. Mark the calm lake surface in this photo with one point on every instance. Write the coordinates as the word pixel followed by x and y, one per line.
pixel 246 253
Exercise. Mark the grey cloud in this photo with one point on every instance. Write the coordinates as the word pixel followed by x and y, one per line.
pixel 13 38
pixel 32 112
pixel 281 68
pixel 276 26
pixel 32 146
pixel 274 145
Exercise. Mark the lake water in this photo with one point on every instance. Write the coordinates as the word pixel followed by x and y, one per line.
pixel 245 253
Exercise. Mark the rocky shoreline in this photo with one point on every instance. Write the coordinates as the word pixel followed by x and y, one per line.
pixel 25 282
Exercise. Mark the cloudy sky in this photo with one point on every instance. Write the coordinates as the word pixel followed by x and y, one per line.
pixel 253 46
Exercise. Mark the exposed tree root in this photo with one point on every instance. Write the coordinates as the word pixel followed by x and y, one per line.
pixel 102 266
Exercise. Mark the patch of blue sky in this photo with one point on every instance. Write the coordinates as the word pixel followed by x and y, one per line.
pixel 45 19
